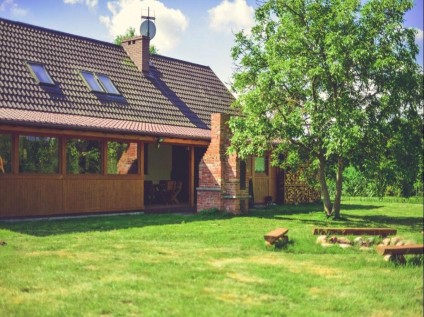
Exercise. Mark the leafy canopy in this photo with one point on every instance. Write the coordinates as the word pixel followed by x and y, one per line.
pixel 322 81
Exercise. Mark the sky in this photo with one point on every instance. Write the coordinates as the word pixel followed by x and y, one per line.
pixel 198 31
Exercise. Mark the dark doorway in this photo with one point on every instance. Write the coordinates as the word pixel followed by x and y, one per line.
pixel 180 169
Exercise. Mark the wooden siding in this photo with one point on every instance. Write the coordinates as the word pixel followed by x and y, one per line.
pixel 102 195
pixel 44 196
pixel 30 196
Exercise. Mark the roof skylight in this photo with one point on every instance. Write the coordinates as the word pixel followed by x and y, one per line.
pixel 40 73
pixel 92 81
pixel 99 83
pixel 107 84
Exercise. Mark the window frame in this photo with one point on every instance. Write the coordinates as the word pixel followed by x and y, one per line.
pixel 102 158
pixel 7 163
pixel 266 163
pixel 106 145
pixel 103 85
pixel 34 74
pixel 102 90
pixel 36 136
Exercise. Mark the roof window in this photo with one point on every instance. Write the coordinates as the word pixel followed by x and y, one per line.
pixel 40 74
pixel 92 81
pixel 99 83
pixel 107 84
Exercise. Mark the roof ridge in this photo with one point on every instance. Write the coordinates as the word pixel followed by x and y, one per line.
pixel 179 60
pixel 52 31
pixel 89 39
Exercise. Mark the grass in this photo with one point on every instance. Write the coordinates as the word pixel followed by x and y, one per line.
pixel 207 265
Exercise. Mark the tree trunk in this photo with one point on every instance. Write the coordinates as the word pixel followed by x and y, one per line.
pixel 339 185
pixel 323 184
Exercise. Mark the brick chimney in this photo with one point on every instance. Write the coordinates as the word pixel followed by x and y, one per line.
pixel 137 49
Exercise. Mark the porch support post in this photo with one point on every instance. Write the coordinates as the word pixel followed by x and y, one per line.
pixel 140 153
pixel 104 157
pixel 191 177
pixel 62 156
pixel 15 154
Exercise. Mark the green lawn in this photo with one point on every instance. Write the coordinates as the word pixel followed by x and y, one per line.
pixel 208 265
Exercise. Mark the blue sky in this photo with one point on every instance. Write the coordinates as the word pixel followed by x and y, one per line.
pixel 197 31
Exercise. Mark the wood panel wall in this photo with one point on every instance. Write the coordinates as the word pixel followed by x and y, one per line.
pixel 30 196
pixel 102 195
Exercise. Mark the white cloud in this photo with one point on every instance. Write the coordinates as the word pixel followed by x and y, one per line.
pixel 170 23
pixel 231 16
pixel 14 9
pixel 89 3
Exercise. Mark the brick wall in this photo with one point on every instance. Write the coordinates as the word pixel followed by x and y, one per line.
pixel 219 172
pixel 137 49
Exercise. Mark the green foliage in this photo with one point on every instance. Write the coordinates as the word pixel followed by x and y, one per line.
pixel 83 156
pixel 336 83
pixel 38 154
pixel 153 50
pixel 152 265
pixel 127 35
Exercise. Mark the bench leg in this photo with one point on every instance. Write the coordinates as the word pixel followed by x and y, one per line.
pixel 399 259
pixel 282 242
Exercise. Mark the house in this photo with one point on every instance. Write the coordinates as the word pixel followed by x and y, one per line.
pixel 88 126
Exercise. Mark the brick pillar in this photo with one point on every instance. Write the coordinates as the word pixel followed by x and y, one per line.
pixel 219 172
pixel 137 49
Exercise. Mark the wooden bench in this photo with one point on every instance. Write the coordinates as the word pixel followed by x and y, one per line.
pixel 383 232
pixel 397 252
pixel 275 235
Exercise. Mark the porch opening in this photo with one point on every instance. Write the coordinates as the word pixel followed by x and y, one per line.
pixel 169 175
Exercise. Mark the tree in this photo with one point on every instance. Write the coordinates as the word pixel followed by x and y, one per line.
pixel 129 34
pixel 322 82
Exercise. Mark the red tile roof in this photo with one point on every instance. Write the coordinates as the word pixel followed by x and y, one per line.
pixel 58 120
pixel 175 97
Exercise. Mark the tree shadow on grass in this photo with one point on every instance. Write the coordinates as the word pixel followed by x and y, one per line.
pixel 282 211
pixel 414 223
pixel 289 213
pixel 41 228
pixel 51 227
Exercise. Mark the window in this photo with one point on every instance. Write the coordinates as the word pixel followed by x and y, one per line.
pixel 40 74
pixel 107 84
pixel 99 83
pixel 261 165
pixel 92 81
pixel 122 158
pixel 38 154
pixel 83 156
pixel 242 174
pixel 5 153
